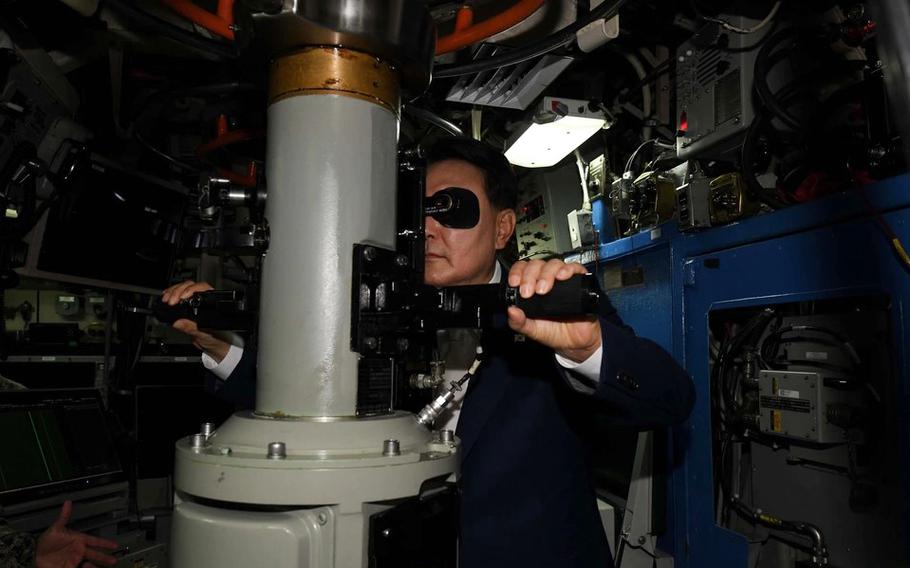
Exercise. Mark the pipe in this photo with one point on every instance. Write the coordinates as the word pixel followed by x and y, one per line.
pixel 224 139
pixel 583 176
pixel 434 119
pixel 557 39
pixel 819 551
pixel 473 33
pixel 209 47
pixel 646 106
pixel 220 23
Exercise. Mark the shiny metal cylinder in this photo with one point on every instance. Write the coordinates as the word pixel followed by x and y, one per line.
pixel 391 448
pixel 331 160
pixel 207 429
pixel 277 451
pixel 197 441
pixel 398 31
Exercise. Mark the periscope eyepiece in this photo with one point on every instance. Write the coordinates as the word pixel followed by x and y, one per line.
pixel 454 207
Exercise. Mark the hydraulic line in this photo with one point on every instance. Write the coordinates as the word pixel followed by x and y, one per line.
pixel 546 45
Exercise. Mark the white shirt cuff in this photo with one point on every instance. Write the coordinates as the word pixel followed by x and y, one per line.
pixel 227 365
pixel 589 368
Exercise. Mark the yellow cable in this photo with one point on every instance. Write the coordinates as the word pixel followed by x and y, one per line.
pixel 901 252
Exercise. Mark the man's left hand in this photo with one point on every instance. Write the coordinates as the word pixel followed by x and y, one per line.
pixel 575 339
pixel 60 547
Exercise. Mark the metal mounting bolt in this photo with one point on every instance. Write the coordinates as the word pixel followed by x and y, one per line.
pixel 401 260
pixel 197 441
pixel 322 519
pixel 277 451
pixel 369 254
pixel 446 436
pixel 370 342
pixel 391 448
pixel 207 429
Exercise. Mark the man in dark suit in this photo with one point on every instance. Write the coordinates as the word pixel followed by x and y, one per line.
pixel 527 498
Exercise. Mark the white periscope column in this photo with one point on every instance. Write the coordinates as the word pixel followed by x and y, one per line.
pixel 331 174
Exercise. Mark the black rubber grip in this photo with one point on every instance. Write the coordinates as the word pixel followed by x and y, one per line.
pixel 577 296
pixel 214 309
pixel 166 313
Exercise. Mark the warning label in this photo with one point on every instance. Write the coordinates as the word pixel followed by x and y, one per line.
pixel 783 403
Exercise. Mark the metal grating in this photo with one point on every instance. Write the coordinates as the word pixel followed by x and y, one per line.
pixel 513 86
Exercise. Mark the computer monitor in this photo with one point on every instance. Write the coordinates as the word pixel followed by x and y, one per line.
pixel 114 228
pixel 52 442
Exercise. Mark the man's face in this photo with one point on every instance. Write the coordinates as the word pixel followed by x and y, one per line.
pixel 457 257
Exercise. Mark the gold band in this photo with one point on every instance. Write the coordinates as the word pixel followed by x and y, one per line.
pixel 336 71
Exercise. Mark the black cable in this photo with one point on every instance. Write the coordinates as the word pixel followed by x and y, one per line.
pixel 747 157
pixel 841 340
pixel 724 406
pixel 630 163
pixel 764 64
pixel 164 155
pixel 434 119
pixel 212 48
pixel 536 49
pixel 661 69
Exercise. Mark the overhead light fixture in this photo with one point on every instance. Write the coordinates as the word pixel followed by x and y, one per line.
pixel 558 127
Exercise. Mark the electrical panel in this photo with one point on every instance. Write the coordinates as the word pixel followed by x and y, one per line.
pixel 713 89
pixel 803 427
pixel 581 229
pixel 599 178
pixel 693 202
pixel 544 201
pixel 642 203
pixel 796 404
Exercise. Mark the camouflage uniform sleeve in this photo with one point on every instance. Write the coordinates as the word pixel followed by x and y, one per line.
pixel 17 549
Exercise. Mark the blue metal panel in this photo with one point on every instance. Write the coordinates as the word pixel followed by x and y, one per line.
pixel 848 260
pixel 646 306
pixel 829 248
pixel 884 196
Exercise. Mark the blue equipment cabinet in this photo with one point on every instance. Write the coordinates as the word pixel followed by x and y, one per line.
pixel 671 281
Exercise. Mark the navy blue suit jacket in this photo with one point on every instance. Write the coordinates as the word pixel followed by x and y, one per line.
pixel 527 499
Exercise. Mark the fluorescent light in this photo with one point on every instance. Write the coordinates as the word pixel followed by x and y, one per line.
pixel 560 126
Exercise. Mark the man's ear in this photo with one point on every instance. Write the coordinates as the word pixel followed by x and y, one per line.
pixel 505 226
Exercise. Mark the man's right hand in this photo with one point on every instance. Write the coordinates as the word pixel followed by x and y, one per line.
pixel 213 347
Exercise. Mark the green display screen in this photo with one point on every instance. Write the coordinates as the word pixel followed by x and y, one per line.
pixel 46 441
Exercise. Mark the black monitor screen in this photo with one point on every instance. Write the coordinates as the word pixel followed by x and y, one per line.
pixel 114 225
pixel 53 441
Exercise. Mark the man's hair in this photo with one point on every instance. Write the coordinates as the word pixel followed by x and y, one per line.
pixel 500 181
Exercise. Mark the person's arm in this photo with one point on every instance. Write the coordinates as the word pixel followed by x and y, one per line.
pixel 239 388
pixel 232 365
pixel 216 349
pixel 581 376
pixel 226 366
pixel 639 382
